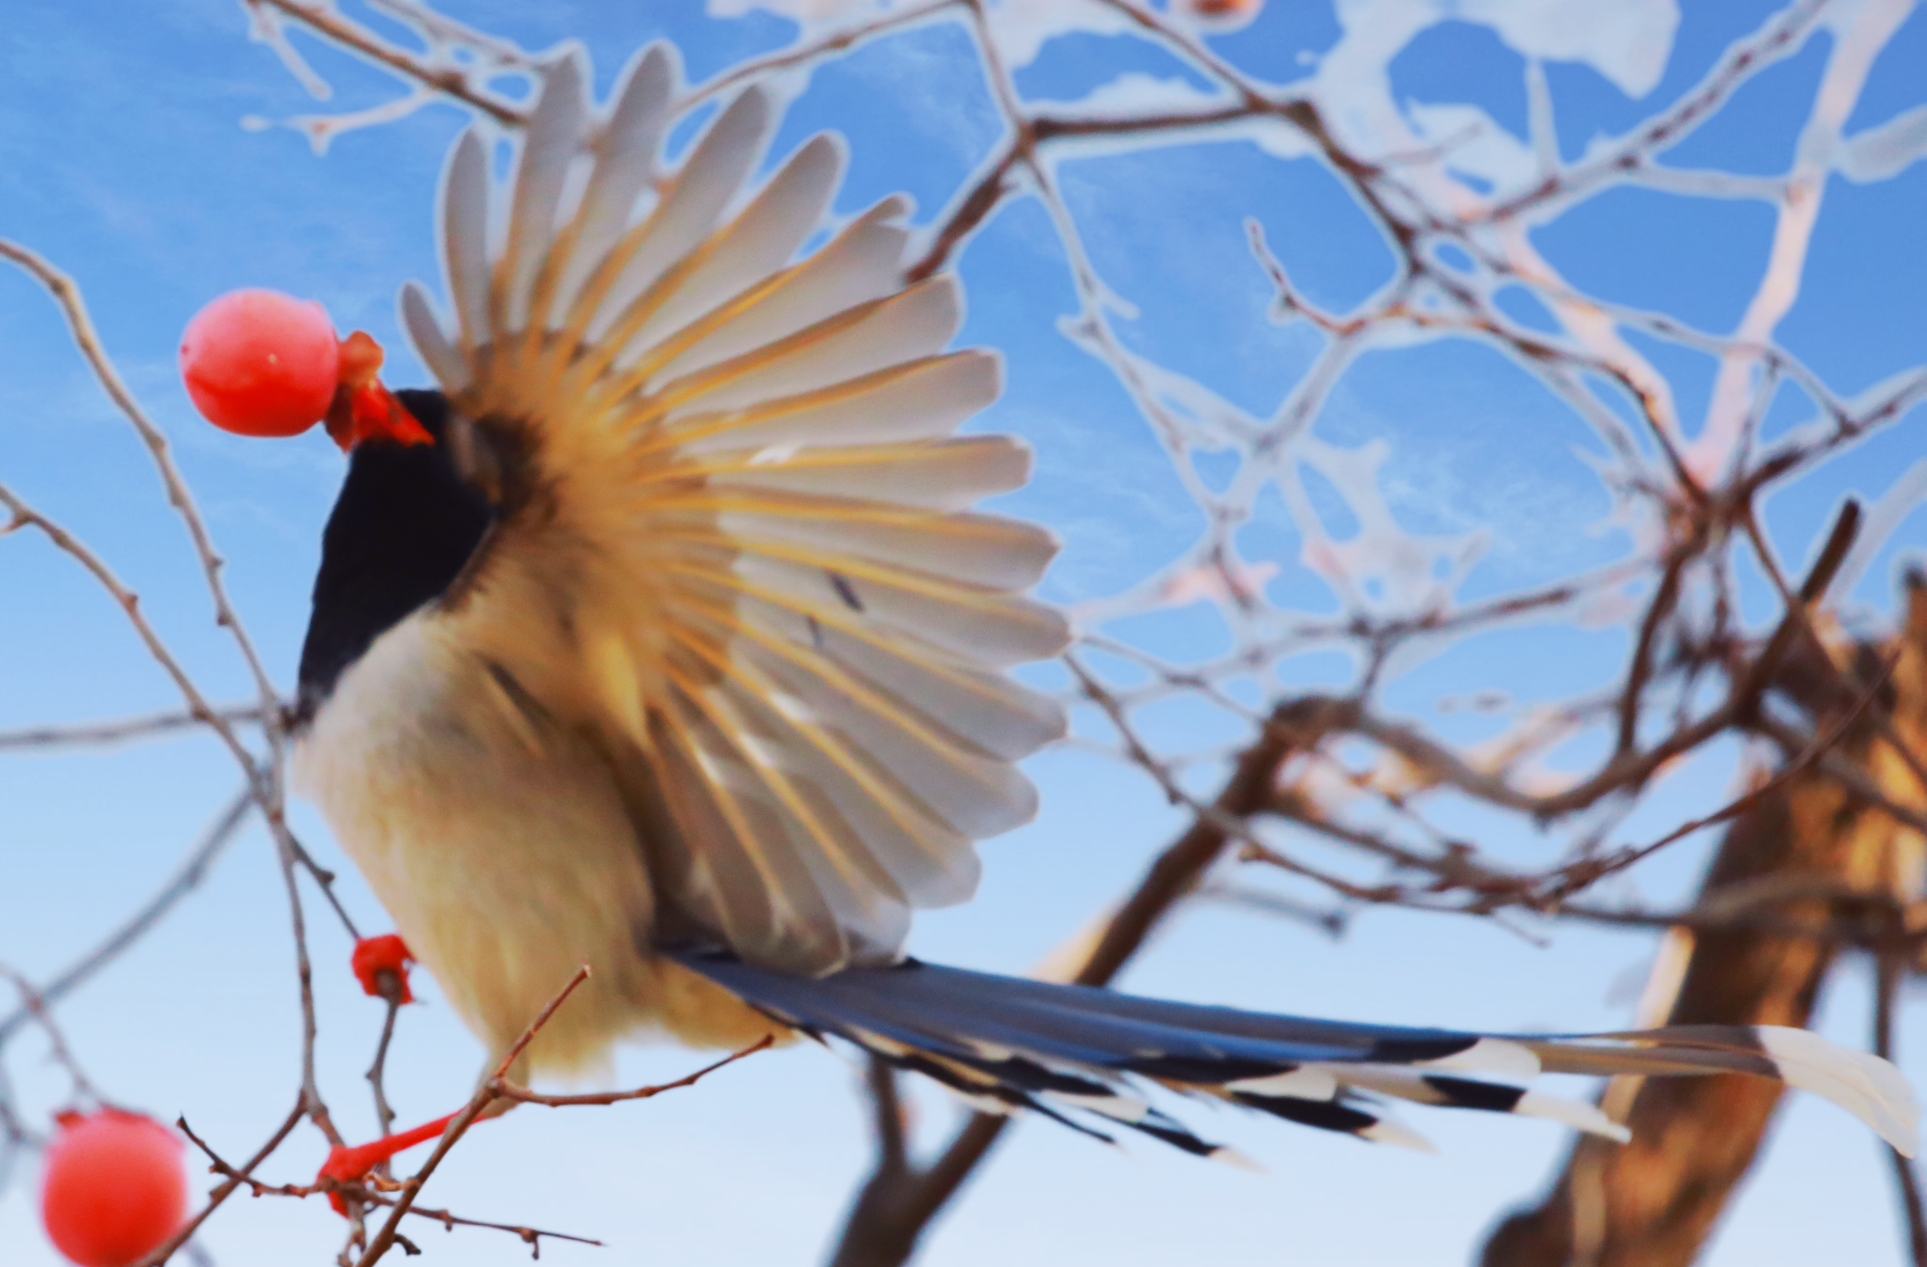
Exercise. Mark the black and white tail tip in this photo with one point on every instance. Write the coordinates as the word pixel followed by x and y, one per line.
pixel 1077 1053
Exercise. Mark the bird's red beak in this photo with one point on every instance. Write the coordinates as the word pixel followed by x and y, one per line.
pixel 362 407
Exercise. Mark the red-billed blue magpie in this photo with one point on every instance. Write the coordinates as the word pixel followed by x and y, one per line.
pixel 679 652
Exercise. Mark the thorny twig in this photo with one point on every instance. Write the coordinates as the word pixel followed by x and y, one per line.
pixel 498 1087
pixel 234 1180
pixel 531 1236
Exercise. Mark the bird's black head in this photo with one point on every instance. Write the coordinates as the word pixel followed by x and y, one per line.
pixel 404 526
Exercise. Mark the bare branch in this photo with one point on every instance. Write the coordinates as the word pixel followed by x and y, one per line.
pixel 128 729
pixel 66 294
pixel 185 880
pixel 450 81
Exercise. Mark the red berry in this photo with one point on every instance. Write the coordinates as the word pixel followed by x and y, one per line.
pixel 113 1187
pixel 1222 16
pixel 374 955
pixel 260 363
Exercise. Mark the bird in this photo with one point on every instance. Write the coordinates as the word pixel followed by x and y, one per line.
pixel 660 635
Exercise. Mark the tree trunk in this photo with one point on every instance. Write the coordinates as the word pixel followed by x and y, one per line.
pixel 1654 1202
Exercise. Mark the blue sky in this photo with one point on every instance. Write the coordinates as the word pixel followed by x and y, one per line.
pixel 127 164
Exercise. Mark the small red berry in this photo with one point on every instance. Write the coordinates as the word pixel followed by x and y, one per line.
pixel 373 955
pixel 260 363
pixel 113 1187
pixel 1223 15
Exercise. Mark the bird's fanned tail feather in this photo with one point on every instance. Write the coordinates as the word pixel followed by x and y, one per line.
pixel 1008 1043
pixel 748 522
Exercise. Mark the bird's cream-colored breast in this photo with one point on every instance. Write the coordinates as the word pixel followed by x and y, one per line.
pixel 505 856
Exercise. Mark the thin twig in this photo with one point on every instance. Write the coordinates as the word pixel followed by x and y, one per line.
pixel 107 733
pixel 34 1003
pixel 64 541
pixel 503 1089
pixel 449 81
pixel 315 1107
pixel 185 880
pixel 390 984
pixel 365 1195
pixel 67 295
pixel 384 1240
pixel 226 1189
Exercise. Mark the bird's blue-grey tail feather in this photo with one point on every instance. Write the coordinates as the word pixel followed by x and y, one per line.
pixel 1069 1051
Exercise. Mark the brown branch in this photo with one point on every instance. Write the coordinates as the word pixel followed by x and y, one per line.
pixel 24 515
pixel 384 1239
pixel 390 983
pixel 1622 770
pixel 102 734
pixel 1848 681
pixel 324 880
pixel 981 197
pixel 498 1087
pixel 313 1105
pixel 1193 51
pixel 1646 646
pixel 264 785
pixel 1814 751
pixel 1781 37
pixel 186 879
pixel 502 1089
pixel 1845 773
pixel 34 1004
pixel 1846 931
pixel 66 294
pixel 450 82
pixel 531 1236
pixel 166 1249
pixel 1823 856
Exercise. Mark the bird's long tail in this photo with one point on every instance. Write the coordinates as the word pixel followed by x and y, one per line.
pixel 1080 1054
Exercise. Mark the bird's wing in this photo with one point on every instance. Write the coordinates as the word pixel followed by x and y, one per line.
pixel 736 538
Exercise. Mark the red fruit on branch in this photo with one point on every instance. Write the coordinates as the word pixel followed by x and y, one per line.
pixel 351 1165
pixel 375 955
pixel 260 363
pixel 1221 16
pixel 113 1188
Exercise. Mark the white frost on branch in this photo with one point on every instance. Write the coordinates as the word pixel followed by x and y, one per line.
pixel 1136 93
pixel 1021 28
pixel 1886 151
pixel 1627 41
pixel 1467 140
